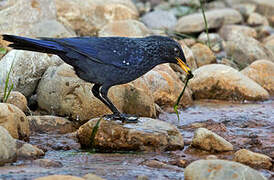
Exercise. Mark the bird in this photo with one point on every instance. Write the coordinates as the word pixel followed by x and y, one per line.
pixel 107 61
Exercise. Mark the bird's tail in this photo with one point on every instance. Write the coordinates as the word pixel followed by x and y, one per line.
pixel 23 43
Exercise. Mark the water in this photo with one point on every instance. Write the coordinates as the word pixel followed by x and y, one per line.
pixel 248 125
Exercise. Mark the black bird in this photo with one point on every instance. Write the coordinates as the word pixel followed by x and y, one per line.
pixel 107 61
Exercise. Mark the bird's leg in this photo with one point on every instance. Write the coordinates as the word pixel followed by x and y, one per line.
pixel 96 92
pixel 117 115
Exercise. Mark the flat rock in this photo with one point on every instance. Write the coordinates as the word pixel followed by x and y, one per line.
pixel 220 169
pixel 215 18
pixel 47 124
pixel 209 141
pixel 245 50
pixel 262 72
pixel 146 135
pixel 203 54
pixel 60 177
pixel 28 68
pixel 217 81
pixel 256 160
pixel 124 28
pixel 7 147
pixel 27 151
pixel 61 92
pixel 159 19
pixel 17 99
pixel 15 121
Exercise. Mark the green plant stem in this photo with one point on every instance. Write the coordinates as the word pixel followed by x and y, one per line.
pixel 206 26
pixel 7 89
pixel 94 132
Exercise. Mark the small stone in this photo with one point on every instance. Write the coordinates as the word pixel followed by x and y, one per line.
pixel 90 176
pixel 146 135
pixel 159 20
pixel 256 19
pixel 47 124
pixel 203 54
pixel 262 72
pixel 125 28
pixel 216 42
pixel 47 163
pixel 7 147
pixel 256 160
pixel 15 121
pixel 220 169
pixel 17 99
pixel 217 81
pixel 227 30
pixel 211 157
pixel 245 8
pixel 142 177
pixel 27 151
pixel 59 177
pixel 209 141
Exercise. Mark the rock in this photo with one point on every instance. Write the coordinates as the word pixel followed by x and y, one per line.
pixel 15 121
pixel 217 81
pixel 256 160
pixel 61 92
pixel 216 41
pixel 59 177
pixel 160 165
pixel 159 20
pixel 220 169
pixel 47 163
pixel 87 17
pixel 27 151
pixel 256 19
pixel 90 176
pixel 125 28
pixel 215 18
pixel 269 43
pixel 244 50
pixel 245 8
pixel 146 135
pixel 16 20
pixel 229 62
pixel 266 8
pixel 209 141
pixel 142 177
pixel 7 147
pixel 262 72
pixel 47 124
pixel 28 68
pixel 166 87
pixel 190 59
pixel 203 54
pixel 227 30
pixel 17 99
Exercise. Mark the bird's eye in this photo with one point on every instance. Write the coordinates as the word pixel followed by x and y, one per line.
pixel 176 51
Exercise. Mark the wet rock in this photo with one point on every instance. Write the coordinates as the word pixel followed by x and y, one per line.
pixel 203 54
pixel 227 30
pixel 217 81
pixel 7 147
pixel 256 160
pixel 215 19
pixel 55 124
pixel 28 68
pixel 142 177
pixel 27 151
pixel 256 19
pixel 220 169
pixel 92 177
pixel 244 50
pixel 17 99
pixel 125 28
pixel 16 20
pixel 266 8
pixel 159 20
pixel 59 177
pixel 216 42
pixel 166 87
pixel 262 72
pixel 209 141
pixel 160 165
pixel 62 93
pixel 47 163
pixel 15 121
pixel 87 17
pixel 146 135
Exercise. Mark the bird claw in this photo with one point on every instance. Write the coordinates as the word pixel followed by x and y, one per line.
pixel 125 118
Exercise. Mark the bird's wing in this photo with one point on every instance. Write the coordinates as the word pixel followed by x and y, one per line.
pixel 114 51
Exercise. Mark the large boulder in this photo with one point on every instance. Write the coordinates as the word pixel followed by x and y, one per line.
pixel 215 18
pixel 146 135
pixel 15 121
pixel 7 147
pixel 220 169
pixel 217 81
pixel 262 72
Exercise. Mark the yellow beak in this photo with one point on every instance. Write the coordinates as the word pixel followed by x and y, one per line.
pixel 183 65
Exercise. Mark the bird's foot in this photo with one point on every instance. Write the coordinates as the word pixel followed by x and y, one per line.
pixel 125 118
